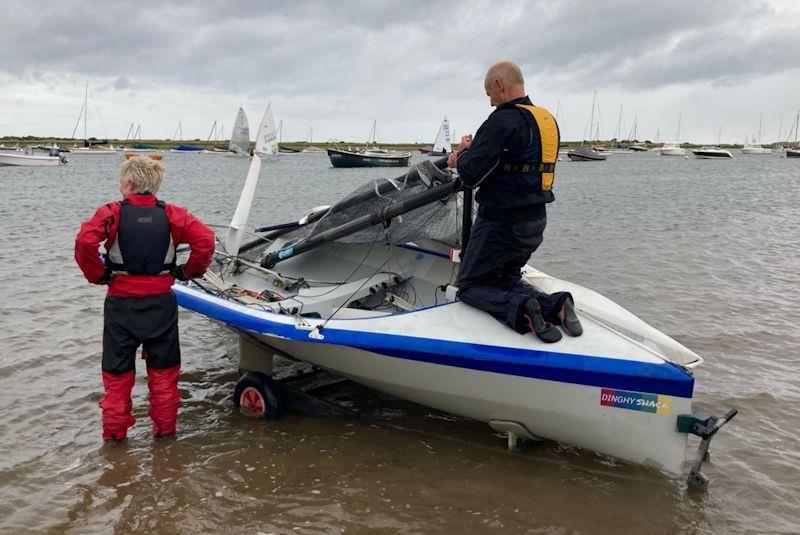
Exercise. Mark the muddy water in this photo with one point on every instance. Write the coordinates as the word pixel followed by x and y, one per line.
pixel 705 250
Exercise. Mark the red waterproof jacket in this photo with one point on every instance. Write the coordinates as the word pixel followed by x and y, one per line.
pixel 102 229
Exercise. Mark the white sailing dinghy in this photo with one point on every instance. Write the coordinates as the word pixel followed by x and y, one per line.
pixel 442 145
pixel 344 290
pixel 240 136
pixel 267 138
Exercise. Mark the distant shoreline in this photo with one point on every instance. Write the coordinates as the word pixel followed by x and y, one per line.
pixel 163 144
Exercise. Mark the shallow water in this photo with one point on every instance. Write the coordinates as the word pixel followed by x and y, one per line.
pixel 704 250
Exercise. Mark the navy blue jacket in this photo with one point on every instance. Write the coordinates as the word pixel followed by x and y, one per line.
pixel 505 137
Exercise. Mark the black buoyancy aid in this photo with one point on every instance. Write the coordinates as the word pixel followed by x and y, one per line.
pixel 143 245
pixel 529 170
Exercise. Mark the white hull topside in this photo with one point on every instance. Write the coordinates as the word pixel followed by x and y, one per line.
pixel 582 391
pixel 27 160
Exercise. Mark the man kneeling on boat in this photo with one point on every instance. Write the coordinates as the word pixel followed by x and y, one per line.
pixel 140 235
pixel 512 161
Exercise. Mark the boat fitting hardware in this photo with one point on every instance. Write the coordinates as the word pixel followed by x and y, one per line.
pixel 704 426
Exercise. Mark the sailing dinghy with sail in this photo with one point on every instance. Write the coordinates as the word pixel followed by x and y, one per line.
pixel 334 290
pixel 240 136
pixel 442 145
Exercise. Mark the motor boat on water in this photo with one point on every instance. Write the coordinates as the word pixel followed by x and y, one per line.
pixel 671 148
pixel 710 153
pixel 364 290
pixel 585 153
pixel 29 159
pixel 370 157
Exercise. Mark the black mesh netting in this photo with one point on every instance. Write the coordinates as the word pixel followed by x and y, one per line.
pixel 436 221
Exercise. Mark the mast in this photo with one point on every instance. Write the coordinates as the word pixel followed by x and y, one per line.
pixel 373 134
pixel 678 134
pixel 180 127
pixel 85 109
pixel 591 120
pixel 760 119
pixel 558 108
pixel 280 130
pixel 719 138
pixel 213 131
pixel 619 124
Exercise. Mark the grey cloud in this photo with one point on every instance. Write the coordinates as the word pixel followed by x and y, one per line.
pixel 123 82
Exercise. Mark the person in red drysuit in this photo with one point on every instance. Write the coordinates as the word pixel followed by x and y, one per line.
pixel 140 234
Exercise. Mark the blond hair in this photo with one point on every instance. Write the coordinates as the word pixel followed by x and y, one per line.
pixel 506 71
pixel 144 174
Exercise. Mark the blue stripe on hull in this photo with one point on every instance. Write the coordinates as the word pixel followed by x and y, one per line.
pixel 667 378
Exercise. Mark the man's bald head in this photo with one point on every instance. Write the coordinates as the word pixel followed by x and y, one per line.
pixel 506 72
pixel 504 82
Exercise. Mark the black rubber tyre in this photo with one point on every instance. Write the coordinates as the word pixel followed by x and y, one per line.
pixel 257 396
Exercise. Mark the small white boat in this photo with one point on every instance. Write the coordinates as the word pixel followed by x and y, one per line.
pixel 585 153
pixel 755 147
pixel 28 159
pixel 240 136
pixel 443 144
pixel 319 291
pixel 92 150
pixel 268 134
pixel 671 148
pixel 711 153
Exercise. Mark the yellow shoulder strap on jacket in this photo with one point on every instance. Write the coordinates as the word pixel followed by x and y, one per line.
pixel 548 133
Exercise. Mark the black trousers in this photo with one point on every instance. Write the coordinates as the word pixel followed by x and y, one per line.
pixel 130 322
pixel 490 276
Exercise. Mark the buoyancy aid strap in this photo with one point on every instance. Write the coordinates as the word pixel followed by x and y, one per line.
pixel 550 139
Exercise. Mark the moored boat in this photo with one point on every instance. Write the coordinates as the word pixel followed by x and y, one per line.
pixel 368 158
pixel 671 148
pixel 28 159
pixel 585 153
pixel 711 153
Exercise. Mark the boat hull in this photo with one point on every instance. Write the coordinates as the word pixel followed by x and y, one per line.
pixel 792 153
pixel 585 154
pixel 672 152
pixel 341 158
pixel 619 407
pixel 27 160
pixel 711 155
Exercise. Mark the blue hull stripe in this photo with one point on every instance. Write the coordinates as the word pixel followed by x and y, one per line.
pixel 666 378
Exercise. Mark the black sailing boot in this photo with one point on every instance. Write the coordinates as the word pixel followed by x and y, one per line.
pixel 568 319
pixel 547 332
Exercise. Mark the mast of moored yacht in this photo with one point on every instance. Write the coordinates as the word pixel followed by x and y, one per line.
pixel 591 119
pixel 85 109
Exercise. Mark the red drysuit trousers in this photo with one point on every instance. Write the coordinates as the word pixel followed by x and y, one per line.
pixel 164 402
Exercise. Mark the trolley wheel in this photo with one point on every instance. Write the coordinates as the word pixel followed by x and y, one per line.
pixel 257 396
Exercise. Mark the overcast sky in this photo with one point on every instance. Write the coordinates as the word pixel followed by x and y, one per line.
pixel 339 65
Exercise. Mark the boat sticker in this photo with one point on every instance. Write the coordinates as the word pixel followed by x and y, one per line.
pixel 635 401
pixel 286 253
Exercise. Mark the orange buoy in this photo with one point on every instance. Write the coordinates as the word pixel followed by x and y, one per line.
pixel 151 156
